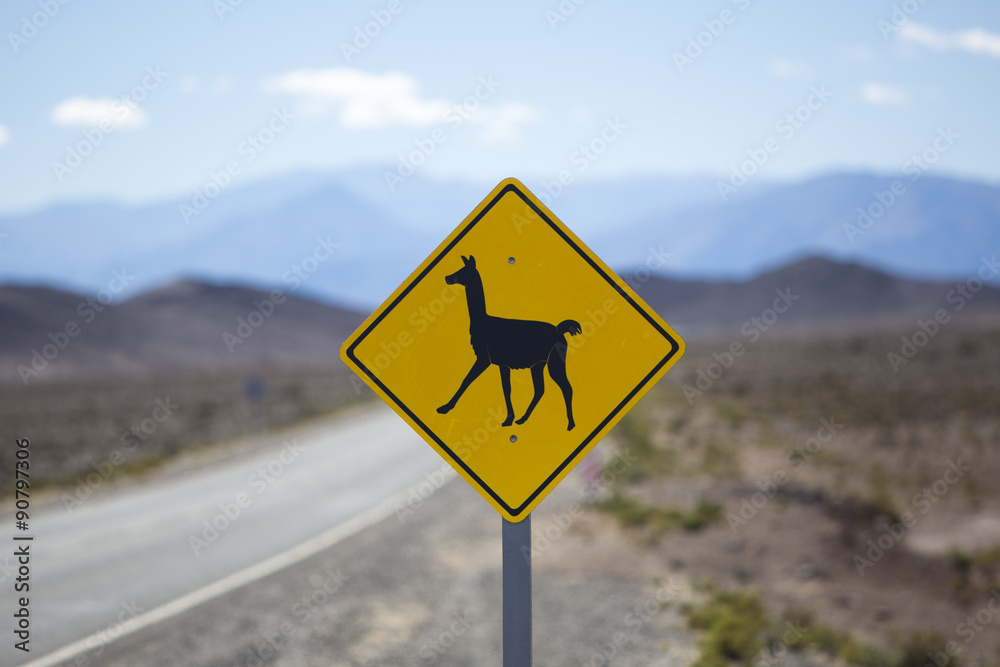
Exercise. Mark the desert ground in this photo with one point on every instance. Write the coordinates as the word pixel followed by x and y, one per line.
pixel 803 502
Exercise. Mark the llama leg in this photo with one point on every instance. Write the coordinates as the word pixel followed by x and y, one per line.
pixel 481 364
pixel 537 379
pixel 557 369
pixel 505 383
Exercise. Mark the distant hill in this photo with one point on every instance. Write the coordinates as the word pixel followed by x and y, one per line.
pixel 177 328
pixel 938 228
pixel 824 294
pixel 193 326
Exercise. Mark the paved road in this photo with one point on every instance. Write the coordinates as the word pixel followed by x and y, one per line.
pixel 131 551
pixel 427 591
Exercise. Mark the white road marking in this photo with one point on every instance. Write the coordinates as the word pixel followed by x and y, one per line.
pixel 249 575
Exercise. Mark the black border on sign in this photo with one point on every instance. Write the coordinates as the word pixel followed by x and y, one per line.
pixel 514 511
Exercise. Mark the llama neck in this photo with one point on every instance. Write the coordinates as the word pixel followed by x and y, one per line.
pixel 476 299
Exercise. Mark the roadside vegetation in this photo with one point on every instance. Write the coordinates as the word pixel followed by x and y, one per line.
pixel 857 451
pixel 127 428
pixel 737 629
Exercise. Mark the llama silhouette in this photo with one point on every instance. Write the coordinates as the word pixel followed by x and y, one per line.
pixel 512 344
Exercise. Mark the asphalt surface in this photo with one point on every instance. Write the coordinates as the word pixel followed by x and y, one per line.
pixel 423 588
pixel 124 553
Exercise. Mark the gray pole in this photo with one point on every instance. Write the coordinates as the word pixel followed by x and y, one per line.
pixel 517 593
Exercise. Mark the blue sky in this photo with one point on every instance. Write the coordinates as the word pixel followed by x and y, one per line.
pixel 164 95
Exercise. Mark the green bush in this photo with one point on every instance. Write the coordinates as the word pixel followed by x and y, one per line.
pixel 866 655
pixel 921 644
pixel 705 514
pixel 733 412
pixel 634 432
pixel 733 623
pixel 629 512
pixel 737 629
pixel 632 513
pixel 822 637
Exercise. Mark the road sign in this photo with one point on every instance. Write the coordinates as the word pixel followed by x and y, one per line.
pixel 512 349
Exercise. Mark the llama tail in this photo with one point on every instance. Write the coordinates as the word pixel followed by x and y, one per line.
pixel 571 327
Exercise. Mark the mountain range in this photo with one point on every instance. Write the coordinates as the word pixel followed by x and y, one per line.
pixel 187 326
pixel 265 233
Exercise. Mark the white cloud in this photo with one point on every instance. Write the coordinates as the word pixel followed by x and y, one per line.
pixel 367 100
pixel 877 93
pixel 4 135
pixel 91 112
pixel 787 69
pixel 501 123
pixel 370 101
pixel 974 40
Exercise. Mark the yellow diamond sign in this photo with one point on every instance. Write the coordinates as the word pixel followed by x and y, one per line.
pixel 512 350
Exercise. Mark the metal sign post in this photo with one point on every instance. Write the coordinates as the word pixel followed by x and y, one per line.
pixel 517 593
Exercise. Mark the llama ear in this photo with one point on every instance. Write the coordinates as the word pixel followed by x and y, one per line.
pixel 472 261
pixel 465 260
